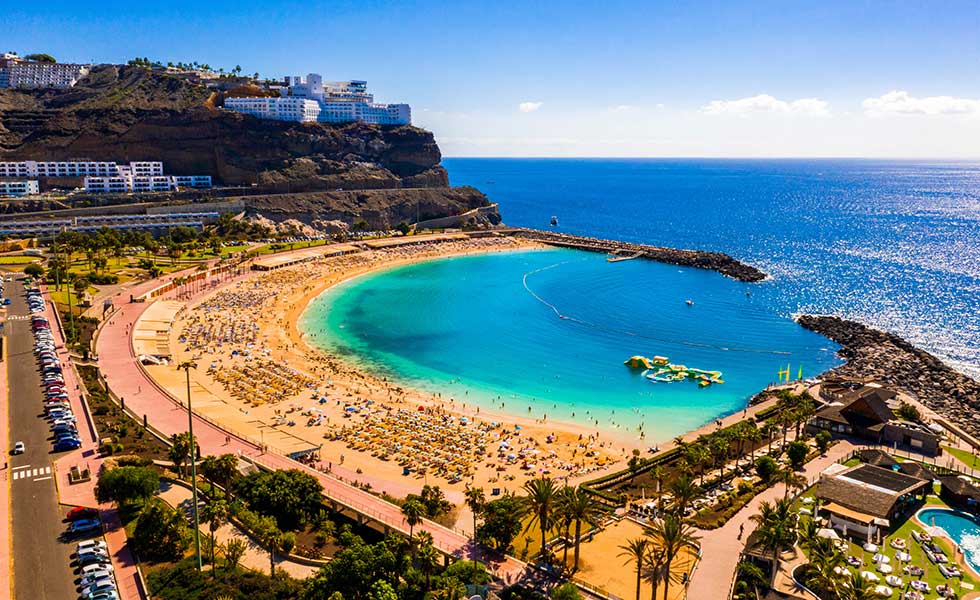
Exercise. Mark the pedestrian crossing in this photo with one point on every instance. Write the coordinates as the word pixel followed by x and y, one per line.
pixel 37 474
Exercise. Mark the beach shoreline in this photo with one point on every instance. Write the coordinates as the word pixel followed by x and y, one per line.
pixel 533 446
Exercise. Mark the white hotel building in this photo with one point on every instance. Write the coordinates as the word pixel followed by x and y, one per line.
pixel 18 188
pixel 106 177
pixel 311 100
pixel 16 72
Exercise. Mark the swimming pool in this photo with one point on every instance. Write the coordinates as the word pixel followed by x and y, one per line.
pixel 963 529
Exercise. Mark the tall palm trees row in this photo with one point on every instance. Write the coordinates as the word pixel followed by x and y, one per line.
pixel 655 554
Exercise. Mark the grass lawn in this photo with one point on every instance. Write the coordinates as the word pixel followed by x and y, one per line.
pixel 18 260
pixel 964 456
pixel 932 574
pixel 277 247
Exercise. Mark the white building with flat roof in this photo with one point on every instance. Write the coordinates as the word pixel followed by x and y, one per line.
pixel 18 73
pixel 309 100
pixel 19 188
pixel 107 177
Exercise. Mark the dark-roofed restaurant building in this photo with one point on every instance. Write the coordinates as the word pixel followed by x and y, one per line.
pixel 864 413
pixel 959 493
pixel 862 500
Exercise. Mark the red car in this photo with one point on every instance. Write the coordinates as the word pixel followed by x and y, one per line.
pixel 81 512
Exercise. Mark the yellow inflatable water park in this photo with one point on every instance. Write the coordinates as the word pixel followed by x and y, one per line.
pixel 660 370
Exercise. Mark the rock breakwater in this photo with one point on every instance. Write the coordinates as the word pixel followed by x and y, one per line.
pixel 713 261
pixel 887 358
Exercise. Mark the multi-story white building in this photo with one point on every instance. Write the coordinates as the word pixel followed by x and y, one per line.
pixel 127 182
pixel 19 188
pixel 107 177
pixel 309 99
pixel 30 168
pixel 16 72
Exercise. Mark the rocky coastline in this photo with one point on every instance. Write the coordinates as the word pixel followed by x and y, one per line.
pixel 889 359
pixel 713 261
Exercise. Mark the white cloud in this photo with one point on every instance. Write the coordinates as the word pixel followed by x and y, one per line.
pixel 529 107
pixel 764 103
pixel 899 102
pixel 622 108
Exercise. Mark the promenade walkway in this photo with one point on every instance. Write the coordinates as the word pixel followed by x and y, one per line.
pixel 722 547
pixel 128 380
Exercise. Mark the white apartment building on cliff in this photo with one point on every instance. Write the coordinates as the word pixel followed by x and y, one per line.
pixel 18 188
pixel 308 100
pixel 104 177
pixel 16 72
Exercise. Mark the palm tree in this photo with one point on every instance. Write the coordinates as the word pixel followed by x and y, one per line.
pixel 428 558
pixel 214 514
pixel 654 568
pixel 826 560
pixel 234 549
pixel 564 517
pixel 412 510
pixel 475 500
pixel 582 509
pixel 776 530
pixel 790 479
pixel 804 410
pixel 698 456
pixel 860 588
pixel 635 551
pixel 671 536
pixel 684 492
pixel 541 496
pixel 659 475
pixel 769 430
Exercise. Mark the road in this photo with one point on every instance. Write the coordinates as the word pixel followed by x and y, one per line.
pixel 41 562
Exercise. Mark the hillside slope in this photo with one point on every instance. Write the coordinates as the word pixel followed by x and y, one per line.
pixel 128 113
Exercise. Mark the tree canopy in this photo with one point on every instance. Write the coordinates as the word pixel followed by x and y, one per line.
pixel 127 485
pixel 291 497
pixel 161 533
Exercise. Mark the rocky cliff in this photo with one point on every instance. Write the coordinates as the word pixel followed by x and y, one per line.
pixel 128 113
pixel 890 359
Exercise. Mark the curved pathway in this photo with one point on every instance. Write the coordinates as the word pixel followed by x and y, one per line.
pixel 128 380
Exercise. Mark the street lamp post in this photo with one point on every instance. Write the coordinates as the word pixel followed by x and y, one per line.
pixel 187 366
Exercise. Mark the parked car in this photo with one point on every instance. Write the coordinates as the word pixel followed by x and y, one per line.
pixel 65 445
pixel 85 525
pixel 92 558
pixel 83 512
pixel 107 566
pixel 19 448
pixel 88 545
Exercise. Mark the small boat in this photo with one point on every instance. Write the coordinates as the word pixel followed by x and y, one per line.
pixel 689 302
pixel 554 220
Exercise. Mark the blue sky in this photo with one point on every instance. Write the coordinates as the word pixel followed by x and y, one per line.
pixel 848 78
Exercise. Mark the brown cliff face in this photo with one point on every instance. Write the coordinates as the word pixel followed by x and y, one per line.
pixel 128 113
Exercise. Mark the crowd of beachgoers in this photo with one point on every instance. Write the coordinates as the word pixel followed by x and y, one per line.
pixel 258 362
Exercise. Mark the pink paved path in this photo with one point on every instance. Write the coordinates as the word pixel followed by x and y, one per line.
pixel 83 494
pixel 127 379
pixel 7 587
pixel 721 547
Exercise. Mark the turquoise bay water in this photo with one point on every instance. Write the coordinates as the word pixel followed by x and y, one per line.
pixel 468 328
pixel 963 529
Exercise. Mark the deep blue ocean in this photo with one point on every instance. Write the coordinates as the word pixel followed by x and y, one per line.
pixel 892 244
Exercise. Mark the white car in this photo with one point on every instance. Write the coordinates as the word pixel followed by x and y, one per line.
pixel 89 545
pixel 20 448
pixel 96 568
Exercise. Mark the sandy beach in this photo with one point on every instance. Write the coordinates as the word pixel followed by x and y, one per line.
pixel 258 377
